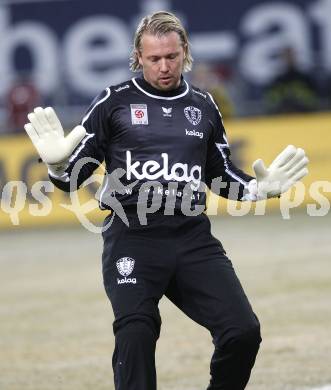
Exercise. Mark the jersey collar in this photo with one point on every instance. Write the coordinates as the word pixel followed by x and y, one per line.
pixel 143 86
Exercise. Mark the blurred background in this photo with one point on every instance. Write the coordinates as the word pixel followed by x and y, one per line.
pixel 257 57
pixel 268 66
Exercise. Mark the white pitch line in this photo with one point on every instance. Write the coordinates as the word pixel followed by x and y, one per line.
pixel 327 387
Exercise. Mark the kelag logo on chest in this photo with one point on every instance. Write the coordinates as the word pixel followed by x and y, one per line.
pixel 139 114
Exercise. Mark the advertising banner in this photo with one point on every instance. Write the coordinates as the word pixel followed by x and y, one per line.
pixel 73 49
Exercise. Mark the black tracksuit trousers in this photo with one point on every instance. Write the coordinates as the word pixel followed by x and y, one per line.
pixel 178 257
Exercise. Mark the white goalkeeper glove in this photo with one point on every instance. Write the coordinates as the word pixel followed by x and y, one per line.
pixel 287 168
pixel 47 135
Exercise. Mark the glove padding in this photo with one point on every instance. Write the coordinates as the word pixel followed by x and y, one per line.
pixel 287 168
pixel 47 135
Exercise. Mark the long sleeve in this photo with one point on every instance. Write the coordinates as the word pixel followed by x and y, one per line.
pixel 219 164
pixel 90 152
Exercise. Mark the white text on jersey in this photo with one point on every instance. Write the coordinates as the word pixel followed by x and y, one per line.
pixel 152 170
pixel 194 133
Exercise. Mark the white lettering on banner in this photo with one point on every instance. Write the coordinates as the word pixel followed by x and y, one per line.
pixel 42 45
pixel 258 61
pixel 83 57
pixel 152 170
pixel 262 31
pixel 320 12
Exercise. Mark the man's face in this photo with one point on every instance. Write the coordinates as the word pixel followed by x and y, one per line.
pixel 162 60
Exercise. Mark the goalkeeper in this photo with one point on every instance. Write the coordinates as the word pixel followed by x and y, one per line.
pixel 157 127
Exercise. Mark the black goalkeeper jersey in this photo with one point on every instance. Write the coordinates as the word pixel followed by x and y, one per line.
pixel 154 144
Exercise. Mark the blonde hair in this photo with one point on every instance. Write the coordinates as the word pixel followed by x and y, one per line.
pixel 160 23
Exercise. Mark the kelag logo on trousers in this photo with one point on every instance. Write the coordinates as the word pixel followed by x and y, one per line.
pixel 125 267
pixel 152 170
